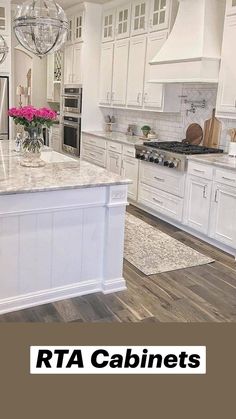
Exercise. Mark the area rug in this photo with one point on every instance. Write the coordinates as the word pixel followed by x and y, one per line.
pixel 153 252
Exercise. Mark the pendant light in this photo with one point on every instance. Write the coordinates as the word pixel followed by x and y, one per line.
pixel 41 26
pixel 3 49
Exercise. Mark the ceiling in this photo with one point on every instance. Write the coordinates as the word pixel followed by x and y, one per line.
pixel 66 3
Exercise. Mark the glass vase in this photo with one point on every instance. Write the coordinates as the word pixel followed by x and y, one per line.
pixel 32 145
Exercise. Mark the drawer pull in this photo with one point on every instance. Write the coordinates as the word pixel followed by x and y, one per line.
pixel 227 178
pixel 157 201
pixel 112 146
pixel 205 192
pixel 216 196
pixel 159 179
pixel 199 171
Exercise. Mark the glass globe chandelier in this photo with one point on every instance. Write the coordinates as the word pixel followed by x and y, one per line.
pixel 40 26
pixel 3 49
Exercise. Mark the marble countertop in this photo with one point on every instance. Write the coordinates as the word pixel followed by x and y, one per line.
pixel 60 172
pixel 117 136
pixel 221 160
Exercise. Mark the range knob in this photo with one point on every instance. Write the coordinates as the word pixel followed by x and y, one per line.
pixel 166 163
pixel 171 165
pixel 151 159
pixel 142 157
pixel 156 160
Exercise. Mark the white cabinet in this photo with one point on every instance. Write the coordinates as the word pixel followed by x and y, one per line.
pixel 226 101
pixel 75 32
pixel 55 138
pixel 54 67
pixel 5 18
pixel 130 171
pixel 108 26
pixel 231 7
pixel 78 27
pixel 198 202
pixel 114 162
pixel 106 71
pixel 139 18
pixel 159 14
pixel 123 20
pixel 153 92
pixel 136 71
pixel 73 64
pixel 120 71
pixel 223 225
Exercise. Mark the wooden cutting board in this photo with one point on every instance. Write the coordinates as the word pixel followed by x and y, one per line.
pixel 212 131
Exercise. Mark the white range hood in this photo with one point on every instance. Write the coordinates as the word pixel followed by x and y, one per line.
pixel 192 51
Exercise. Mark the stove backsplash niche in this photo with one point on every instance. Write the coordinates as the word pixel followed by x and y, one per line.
pixel 170 126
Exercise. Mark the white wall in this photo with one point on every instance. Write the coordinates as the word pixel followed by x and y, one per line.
pixel 22 64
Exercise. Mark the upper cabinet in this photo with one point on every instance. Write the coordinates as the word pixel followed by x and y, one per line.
pixel 139 18
pixel 73 64
pixel 159 14
pixel 106 72
pixel 75 32
pixel 108 26
pixel 226 100
pixel 136 71
pixel 5 18
pixel 231 7
pixel 54 69
pixel 123 21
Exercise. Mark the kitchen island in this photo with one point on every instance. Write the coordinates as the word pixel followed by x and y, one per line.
pixel 61 230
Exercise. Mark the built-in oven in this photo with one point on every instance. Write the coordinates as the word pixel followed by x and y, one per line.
pixel 71 134
pixel 72 100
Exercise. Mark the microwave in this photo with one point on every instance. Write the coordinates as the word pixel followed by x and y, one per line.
pixel 72 100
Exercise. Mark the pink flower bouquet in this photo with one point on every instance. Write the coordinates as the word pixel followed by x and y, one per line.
pixel 32 117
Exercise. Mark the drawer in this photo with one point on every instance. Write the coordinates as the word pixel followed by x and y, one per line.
pixel 200 170
pixel 166 204
pixel 167 180
pixel 129 151
pixel 112 146
pixel 95 155
pixel 226 177
pixel 94 141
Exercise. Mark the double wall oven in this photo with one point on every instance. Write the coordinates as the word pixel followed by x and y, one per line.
pixel 72 108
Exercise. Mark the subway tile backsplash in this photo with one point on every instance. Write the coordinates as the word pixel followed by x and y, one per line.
pixel 172 127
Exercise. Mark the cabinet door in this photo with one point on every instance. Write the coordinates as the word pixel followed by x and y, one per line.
pixel 231 7
pixel 106 69
pixel 159 14
pixel 153 92
pixel 5 66
pixel 197 203
pixel 226 102
pixel 130 171
pixel 139 19
pixel 136 71
pixel 120 71
pixel 68 64
pixel 123 20
pixel 5 19
pixel 77 76
pixel 70 30
pixel 50 77
pixel 108 27
pixel 223 225
pixel 78 27
pixel 114 162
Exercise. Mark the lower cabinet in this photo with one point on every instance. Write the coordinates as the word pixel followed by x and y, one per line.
pixel 130 171
pixel 114 162
pixel 94 155
pixel 197 203
pixel 223 212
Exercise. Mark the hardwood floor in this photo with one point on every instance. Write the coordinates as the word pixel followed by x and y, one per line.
pixel 200 294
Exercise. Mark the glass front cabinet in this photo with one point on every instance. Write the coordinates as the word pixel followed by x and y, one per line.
pixel 108 27
pixel 159 15
pixel 139 20
pixel 123 21
pixel 231 7
pixel 4 19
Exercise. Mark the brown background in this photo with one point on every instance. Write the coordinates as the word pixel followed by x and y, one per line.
pixel 58 396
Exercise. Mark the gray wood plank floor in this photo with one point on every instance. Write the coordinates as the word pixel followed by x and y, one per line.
pixel 200 294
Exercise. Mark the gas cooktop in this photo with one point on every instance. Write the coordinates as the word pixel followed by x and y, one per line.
pixel 182 148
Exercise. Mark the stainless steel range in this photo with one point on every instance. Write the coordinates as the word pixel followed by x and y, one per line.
pixel 171 154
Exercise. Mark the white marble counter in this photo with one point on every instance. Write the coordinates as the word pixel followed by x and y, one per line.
pixel 60 172
pixel 61 230
pixel 221 160
pixel 116 136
